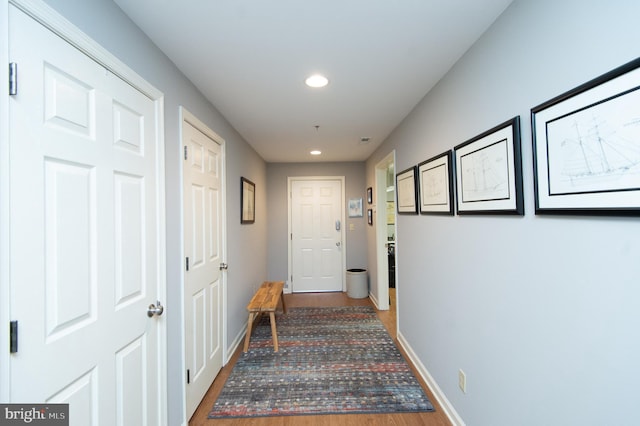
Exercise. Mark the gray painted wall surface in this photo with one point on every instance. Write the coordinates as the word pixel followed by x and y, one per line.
pixel 541 312
pixel 277 174
pixel 103 21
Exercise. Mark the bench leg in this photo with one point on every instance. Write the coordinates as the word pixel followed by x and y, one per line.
pixel 274 333
pixel 284 308
pixel 252 316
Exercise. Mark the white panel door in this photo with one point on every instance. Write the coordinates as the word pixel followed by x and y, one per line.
pixel 85 235
pixel 203 204
pixel 316 240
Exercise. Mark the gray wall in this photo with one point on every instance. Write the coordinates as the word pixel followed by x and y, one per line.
pixel 541 312
pixel 103 21
pixel 277 174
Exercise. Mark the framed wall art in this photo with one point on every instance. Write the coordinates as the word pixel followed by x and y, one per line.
pixel 406 191
pixel 586 147
pixel 370 217
pixel 435 178
pixel 355 207
pixel 247 201
pixel 369 195
pixel 489 172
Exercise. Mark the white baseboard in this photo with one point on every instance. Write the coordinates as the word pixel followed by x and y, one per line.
pixel 451 413
pixel 374 300
pixel 239 340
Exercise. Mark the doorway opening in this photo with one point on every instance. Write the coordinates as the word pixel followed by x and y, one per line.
pixel 385 230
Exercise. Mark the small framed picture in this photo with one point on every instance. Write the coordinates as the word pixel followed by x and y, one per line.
pixel 355 207
pixel 247 201
pixel 369 195
pixel 370 217
pixel 586 147
pixel 489 172
pixel 406 191
pixel 435 178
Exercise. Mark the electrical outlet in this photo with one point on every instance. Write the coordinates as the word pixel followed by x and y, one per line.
pixel 462 381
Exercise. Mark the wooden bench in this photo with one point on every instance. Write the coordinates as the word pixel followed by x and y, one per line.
pixel 266 301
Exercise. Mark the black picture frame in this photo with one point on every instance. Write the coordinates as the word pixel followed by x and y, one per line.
pixel 247 201
pixel 435 182
pixel 369 195
pixel 488 171
pixel 407 191
pixel 370 217
pixel 586 147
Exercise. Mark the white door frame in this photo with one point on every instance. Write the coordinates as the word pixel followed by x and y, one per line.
pixel 56 23
pixel 187 117
pixel 382 260
pixel 290 179
pixel 5 315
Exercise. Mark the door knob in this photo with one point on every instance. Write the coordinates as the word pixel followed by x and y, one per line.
pixel 224 266
pixel 338 244
pixel 155 310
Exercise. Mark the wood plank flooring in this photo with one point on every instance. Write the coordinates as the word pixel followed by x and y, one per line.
pixel 388 318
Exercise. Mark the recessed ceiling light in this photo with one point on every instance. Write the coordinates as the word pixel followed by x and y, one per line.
pixel 316 80
pixel 315 152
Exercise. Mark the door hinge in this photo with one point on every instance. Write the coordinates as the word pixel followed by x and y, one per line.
pixel 185 152
pixel 188 376
pixel 13 79
pixel 13 337
pixel 187 263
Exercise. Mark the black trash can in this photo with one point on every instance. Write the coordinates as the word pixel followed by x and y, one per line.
pixel 357 285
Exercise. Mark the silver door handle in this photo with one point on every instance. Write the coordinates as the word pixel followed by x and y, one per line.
pixel 224 266
pixel 155 310
pixel 338 244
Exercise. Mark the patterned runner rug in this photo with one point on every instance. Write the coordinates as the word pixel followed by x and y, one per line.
pixel 331 361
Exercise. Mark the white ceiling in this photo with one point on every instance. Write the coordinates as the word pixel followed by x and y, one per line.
pixel 250 59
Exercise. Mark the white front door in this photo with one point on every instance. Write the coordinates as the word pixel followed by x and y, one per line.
pixel 203 248
pixel 87 235
pixel 316 235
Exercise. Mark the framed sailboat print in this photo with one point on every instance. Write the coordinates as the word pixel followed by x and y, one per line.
pixel 488 171
pixel 586 147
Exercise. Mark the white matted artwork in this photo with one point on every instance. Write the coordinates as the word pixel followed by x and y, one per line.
pixel 406 191
pixel 587 147
pixel 489 172
pixel 435 178
pixel 247 201
pixel 355 207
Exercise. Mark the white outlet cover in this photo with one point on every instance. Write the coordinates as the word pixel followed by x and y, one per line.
pixel 462 381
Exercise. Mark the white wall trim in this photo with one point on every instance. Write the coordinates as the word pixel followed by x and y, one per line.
pixel 374 300
pixel 5 259
pixel 448 409
pixel 380 224
pixel 237 341
pixel 51 19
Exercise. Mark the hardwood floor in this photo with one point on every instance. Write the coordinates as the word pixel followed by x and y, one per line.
pixel 388 318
